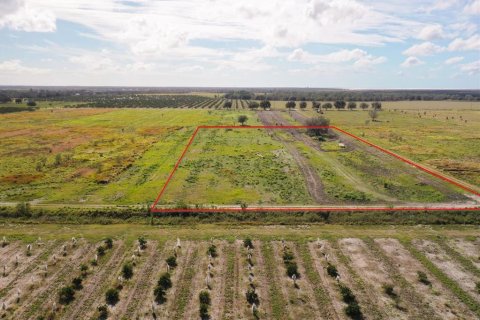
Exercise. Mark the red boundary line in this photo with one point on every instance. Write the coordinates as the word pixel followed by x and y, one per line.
pixel 270 209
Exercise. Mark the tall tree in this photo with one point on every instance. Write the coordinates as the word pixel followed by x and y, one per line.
pixel 327 105
pixel 364 105
pixel 290 105
pixel 377 105
pixel 265 104
pixel 352 105
pixel 340 104
pixel 242 119
pixel 253 105
pixel 303 105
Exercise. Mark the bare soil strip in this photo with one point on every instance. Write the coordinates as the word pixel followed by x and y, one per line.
pixel 374 274
pixel 444 304
pixel 141 272
pixel 261 282
pixel 469 249
pixel 219 282
pixel 333 306
pixel 141 306
pixel 406 296
pixel 93 285
pixel 8 253
pixel 449 266
pixel 300 304
pixel 165 311
pixel 241 282
pixel 26 265
pixel 312 179
pixel 278 297
pixel 229 282
pixel 197 283
pixel 35 295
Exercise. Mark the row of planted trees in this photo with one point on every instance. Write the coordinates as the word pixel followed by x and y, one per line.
pixel 339 105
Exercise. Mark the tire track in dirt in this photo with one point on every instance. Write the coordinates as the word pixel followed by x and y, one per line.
pixel 27 266
pixel 444 304
pixel 141 276
pixel 449 266
pixel 327 285
pixel 45 292
pixel 372 273
pixel 141 306
pixel 94 284
pixel 299 305
pixel 311 177
pixel 219 281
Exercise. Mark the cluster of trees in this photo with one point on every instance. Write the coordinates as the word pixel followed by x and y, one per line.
pixel 241 94
pixel 338 104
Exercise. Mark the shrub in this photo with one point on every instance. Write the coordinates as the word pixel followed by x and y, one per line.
pixel 422 277
pixel 112 296
pixel 292 269
pixel 171 261
pixel 101 251
pixel 142 242
pixel 66 295
pixel 108 243
pixel 248 243
pixel 332 270
pixel 212 250
pixel 347 294
pixel 159 295
pixel 353 311
pixel 477 286
pixel 102 312
pixel 389 290
pixel 204 298
pixel 204 312
pixel 77 283
pixel 288 257
pixel 252 297
pixel 127 271
pixel 165 282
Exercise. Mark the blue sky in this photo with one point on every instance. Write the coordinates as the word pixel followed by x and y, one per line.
pixel 292 43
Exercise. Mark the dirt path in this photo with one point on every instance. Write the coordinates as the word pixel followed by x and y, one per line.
pixel 241 282
pixel 444 304
pixel 374 274
pixel 219 280
pixel 93 285
pixel 197 284
pixel 141 272
pixel 141 306
pixel 261 282
pixel 312 179
pixel 230 281
pixel 449 266
pixel 300 302
pixel 469 249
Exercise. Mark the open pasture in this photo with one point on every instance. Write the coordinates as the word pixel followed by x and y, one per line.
pixel 326 272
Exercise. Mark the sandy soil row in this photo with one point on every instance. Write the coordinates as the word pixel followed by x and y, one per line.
pixel 468 248
pixel 198 282
pixel 219 280
pixel 261 282
pixel 449 266
pixel 440 300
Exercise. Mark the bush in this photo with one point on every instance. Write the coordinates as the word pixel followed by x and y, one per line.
pixel 288 257
pixel 66 295
pixel 159 295
pixel 347 294
pixel 422 277
pixel 292 269
pixel 102 312
pixel 165 282
pixel 127 271
pixel 204 312
pixel 142 242
pixel 389 290
pixel 171 261
pixel 353 311
pixel 112 296
pixel 252 297
pixel 332 270
pixel 317 122
pixel 212 250
pixel 101 251
pixel 108 243
pixel 204 298
pixel 248 243
pixel 77 283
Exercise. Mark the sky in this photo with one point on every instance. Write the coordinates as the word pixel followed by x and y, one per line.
pixel 376 44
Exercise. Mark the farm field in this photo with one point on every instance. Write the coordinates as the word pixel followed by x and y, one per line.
pixel 103 156
pixel 248 272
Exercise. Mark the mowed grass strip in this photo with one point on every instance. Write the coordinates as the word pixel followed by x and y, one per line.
pixel 278 302
pixel 442 277
pixel 184 292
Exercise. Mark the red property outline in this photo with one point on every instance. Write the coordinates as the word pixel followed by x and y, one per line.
pixel 153 208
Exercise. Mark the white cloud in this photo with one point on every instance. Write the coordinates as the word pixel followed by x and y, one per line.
pixel 472 8
pixel 16 67
pixel 21 16
pixel 472 43
pixel 411 61
pixel 423 49
pixel 441 5
pixel 453 60
pixel 431 32
pixel 471 68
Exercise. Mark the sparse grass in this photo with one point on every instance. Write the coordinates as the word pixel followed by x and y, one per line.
pixel 277 302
